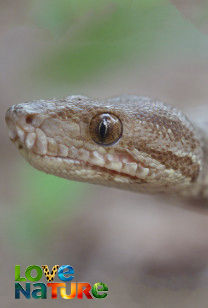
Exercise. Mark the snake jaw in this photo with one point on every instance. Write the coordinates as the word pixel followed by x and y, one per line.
pixel 84 172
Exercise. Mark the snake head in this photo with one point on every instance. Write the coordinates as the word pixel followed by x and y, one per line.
pixel 127 142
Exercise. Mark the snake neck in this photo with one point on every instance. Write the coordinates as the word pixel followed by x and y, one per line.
pixel 205 168
pixel 200 188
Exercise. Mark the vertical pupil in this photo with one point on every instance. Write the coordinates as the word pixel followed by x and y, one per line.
pixel 103 129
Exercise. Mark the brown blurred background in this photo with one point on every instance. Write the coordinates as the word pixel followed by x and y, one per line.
pixel 150 252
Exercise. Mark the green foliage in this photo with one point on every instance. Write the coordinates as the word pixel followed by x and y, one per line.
pixel 46 203
pixel 92 35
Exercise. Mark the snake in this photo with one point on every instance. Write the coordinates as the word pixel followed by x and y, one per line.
pixel 128 142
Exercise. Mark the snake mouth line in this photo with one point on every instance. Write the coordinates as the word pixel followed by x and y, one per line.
pixel 89 166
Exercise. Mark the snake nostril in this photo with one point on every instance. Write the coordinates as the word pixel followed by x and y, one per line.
pixel 29 119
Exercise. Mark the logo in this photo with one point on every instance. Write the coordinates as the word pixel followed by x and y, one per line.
pixel 29 285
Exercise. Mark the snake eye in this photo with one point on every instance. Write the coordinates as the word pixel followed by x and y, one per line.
pixel 105 129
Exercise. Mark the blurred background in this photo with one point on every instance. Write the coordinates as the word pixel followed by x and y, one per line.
pixel 148 251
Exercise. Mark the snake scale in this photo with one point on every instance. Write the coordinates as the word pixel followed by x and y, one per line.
pixel 129 142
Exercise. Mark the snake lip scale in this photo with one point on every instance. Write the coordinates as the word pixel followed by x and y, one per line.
pixel 129 142
pixel 86 165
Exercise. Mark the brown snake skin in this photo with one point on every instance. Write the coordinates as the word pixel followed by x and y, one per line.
pixel 128 142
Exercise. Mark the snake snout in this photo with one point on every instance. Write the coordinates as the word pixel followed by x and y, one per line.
pixel 19 123
pixel 10 119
